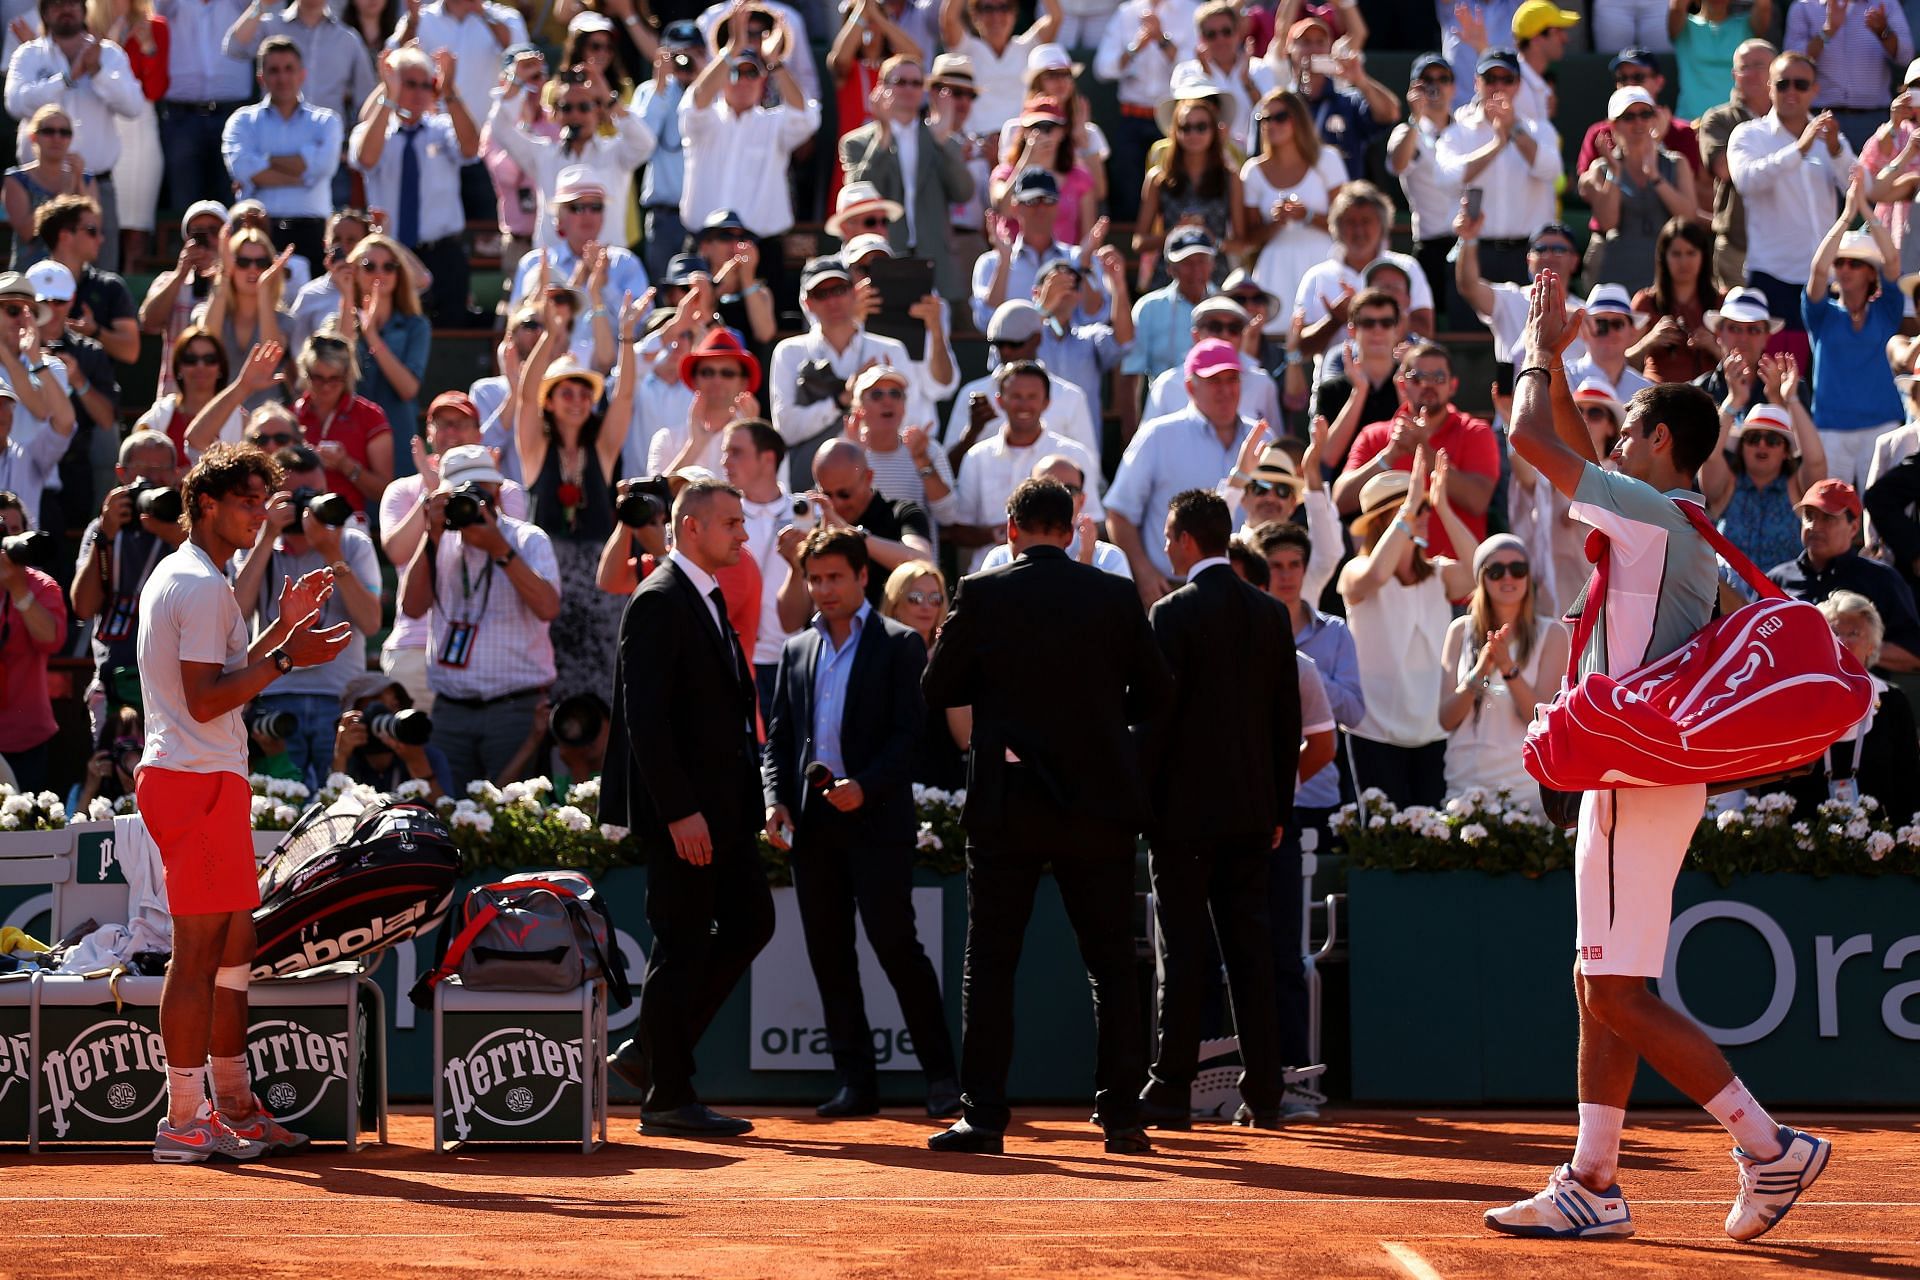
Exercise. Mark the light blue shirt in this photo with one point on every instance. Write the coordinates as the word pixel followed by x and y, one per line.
pixel 668 169
pixel 625 275
pixel 1170 455
pixel 440 158
pixel 832 674
pixel 1082 356
pixel 257 131
pixel 1162 332
pixel 1498 17
pixel 198 67
pixel 1022 271
pixel 1327 641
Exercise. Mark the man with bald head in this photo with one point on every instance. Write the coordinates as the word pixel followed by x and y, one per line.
pixel 845 498
pixel 1086 546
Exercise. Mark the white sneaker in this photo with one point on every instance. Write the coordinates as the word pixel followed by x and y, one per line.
pixel 204 1137
pixel 1768 1189
pixel 1302 1100
pixel 1566 1210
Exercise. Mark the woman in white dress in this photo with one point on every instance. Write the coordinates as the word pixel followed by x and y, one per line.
pixel 1502 658
pixel 983 31
pixel 1289 182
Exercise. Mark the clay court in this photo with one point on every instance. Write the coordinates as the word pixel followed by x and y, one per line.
pixel 1394 1194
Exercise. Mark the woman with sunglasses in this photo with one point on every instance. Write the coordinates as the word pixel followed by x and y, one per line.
pixel 982 30
pixel 1502 658
pixel 916 596
pixel 570 460
pixel 245 309
pixel 577 100
pixel 1289 180
pixel 1193 186
pixel 1398 612
pixel 349 432
pixel 1678 347
pixel 391 337
pixel 1854 398
pixel 53 168
pixel 200 370
pixel 1043 141
pixel 1754 482
pixel 1633 189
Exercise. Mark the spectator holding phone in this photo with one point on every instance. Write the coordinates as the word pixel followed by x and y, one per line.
pixel 33 626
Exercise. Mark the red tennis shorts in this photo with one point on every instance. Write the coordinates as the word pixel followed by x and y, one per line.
pixel 202 823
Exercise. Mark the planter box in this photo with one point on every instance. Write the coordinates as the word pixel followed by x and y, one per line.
pixel 1462 986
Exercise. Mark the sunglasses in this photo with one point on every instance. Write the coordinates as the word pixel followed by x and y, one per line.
pixel 1273 117
pixel 963 95
pixel 386 268
pixel 1798 84
pixel 196 359
pixel 277 439
pixel 746 71
pixel 1551 248
pixel 1376 322
pixel 872 222
pixel 1044 127
pixel 53 131
pixel 1196 127
pixel 884 393
pixel 1859 263
pixel 1594 413
pixel 827 292
pixel 1217 33
pixel 1004 345
pixel 422 86
pixel 1517 570
pixel 572 76
pixel 933 598
pixel 1609 324
pixel 251 263
pixel 326 379
pixel 715 371
pixel 1223 328
pixel 992 8
pixel 1629 79
pixel 1435 82
pixel 907 84
pixel 575 108
pixel 1767 439
pixel 1250 300
pixel 1428 377
pixel 1499 79
pixel 839 495
pixel 93 230
pixel 1268 489
pixel 598 46
pixel 586 206
pixel 1639 115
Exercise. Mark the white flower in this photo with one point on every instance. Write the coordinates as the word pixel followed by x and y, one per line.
pixel 1343 817
pixel 1869 803
pixel 1440 831
pixel 412 789
pixel 539 785
pixel 48 800
pixel 1802 829
pixel 572 819
pixel 1879 845
pixel 261 804
pixel 285 815
pixel 99 809
pixel 1473 833
pixel 1776 802
pixel 927 839
pixel 584 793
pixel 1459 807
pixel 9 822
pixel 16 806
pixel 957 798
pixel 613 833
pixel 481 789
pixel 1729 819
pixel 258 781
pixel 1910 836
pixel 1376 822
pixel 513 792
pixel 337 782
pixel 1374 796
pixel 1835 829
pixel 479 819
pixel 1857 829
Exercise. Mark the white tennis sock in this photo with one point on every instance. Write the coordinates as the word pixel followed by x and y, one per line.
pixel 186 1090
pixel 232 1090
pixel 1757 1132
pixel 1596 1152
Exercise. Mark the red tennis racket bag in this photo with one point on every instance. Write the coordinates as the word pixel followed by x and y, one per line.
pixel 1757 692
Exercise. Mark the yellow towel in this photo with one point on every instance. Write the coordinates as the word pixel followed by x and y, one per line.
pixel 12 939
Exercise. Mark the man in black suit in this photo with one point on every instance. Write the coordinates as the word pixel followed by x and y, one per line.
pixel 1056 660
pixel 1221 766
pixel 841 735
pixel 681 773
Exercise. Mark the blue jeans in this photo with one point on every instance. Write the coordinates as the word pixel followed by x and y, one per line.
pixel 190 141
pixel 310 745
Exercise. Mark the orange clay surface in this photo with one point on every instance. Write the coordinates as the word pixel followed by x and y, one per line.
pixel 1368 1193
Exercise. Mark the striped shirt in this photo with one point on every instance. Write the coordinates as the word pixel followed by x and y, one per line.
pixel 1854 65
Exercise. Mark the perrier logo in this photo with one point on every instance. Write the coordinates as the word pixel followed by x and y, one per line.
pixel 511 1077
pixel 113 1072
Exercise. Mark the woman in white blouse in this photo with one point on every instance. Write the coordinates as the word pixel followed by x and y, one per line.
pixel 580 103
pixel 983 31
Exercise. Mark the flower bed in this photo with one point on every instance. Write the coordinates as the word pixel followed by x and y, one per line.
pixel 1486 831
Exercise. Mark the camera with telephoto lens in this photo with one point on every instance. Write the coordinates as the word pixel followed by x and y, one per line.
pixel 464 505
pixel 326 506
pixel 643 502
pixel 577 721
pixel 32 549
pixel 410 727
pixel 158 502
pixel 271 724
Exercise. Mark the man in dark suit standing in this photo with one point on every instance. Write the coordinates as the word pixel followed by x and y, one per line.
pixel 1056 660
pixel 681 773
pixel 1221 766
pixel 844 720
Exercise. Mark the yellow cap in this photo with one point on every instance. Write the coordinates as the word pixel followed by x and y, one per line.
pixel 1535 16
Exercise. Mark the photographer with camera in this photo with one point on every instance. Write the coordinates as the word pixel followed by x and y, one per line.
pixel 453 420
pixel 168 307
pixel 488 585
pixel 111 769
pixel 37 424
pixel 33 625
pixel 567 744
pixel 382 741
pixel 308 527
pixel 138 523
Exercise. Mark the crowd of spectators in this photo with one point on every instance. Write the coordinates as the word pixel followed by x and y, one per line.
pixel 1738 216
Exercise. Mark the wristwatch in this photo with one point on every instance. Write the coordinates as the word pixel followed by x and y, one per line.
pixel 282 660
pixel 506 559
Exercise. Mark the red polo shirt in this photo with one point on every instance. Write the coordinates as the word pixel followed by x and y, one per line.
pixel 1470 447
pixel 356 424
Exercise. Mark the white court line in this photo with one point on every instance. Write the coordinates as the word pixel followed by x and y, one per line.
pixel 320 1194
pixel 1416 1267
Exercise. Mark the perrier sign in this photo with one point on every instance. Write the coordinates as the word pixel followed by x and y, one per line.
pixel 519 1082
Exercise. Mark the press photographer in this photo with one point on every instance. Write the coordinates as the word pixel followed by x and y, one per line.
pixel 138 523
pixel 382 741
pixel 33 625
pixel 307 528
pixel 488 586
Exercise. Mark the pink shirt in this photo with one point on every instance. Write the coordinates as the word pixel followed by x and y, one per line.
pixel 1879 152
pixel 1075 186
pixel 26 711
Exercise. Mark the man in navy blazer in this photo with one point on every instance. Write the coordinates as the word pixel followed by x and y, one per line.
pixel 844 721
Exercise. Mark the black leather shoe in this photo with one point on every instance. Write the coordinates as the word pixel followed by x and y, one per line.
pixel 630 1064
pixel 964 1139
pixel 694 1120
pixel 1128 1142
pixel 848 1102
pixel 1162 1116
pixel 943 1098
pixel 1247 1118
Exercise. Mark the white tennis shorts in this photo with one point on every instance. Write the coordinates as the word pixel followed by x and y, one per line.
pixel 1626 856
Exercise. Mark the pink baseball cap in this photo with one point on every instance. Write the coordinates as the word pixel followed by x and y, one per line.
pixel 1211 356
